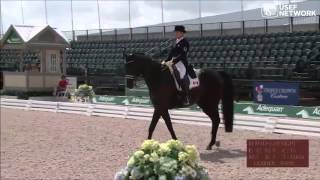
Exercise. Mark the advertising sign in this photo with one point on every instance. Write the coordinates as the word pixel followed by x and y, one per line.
pixel 276 93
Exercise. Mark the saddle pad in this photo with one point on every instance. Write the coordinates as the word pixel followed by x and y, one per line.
pixel 193 82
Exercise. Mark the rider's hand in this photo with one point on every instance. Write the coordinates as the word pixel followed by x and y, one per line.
pixel 163 62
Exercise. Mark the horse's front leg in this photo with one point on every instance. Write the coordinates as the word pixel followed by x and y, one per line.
pixel 153 124
pixel 167 120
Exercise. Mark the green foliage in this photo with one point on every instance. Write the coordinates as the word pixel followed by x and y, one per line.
pixel 84 90
pixel 170 160
pixel 24 94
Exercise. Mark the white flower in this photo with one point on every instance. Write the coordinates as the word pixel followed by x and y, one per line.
pixel 163 177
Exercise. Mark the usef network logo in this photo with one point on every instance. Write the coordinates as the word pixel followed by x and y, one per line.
pixel 270 10
pixel 284 10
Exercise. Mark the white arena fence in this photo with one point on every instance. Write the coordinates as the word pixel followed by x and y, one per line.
pixel 249 122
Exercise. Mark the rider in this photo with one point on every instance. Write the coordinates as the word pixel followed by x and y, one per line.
pixel 178 55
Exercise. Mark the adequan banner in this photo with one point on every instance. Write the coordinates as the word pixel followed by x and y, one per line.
pixel 310 113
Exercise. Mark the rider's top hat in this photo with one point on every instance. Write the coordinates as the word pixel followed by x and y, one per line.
pixel 180 28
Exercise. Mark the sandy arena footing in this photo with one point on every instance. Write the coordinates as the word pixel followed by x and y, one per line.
pixel 46 145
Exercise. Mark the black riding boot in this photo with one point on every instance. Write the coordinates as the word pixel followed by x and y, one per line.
pixel 185 89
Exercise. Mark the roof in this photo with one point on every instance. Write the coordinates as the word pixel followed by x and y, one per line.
pixel 27 33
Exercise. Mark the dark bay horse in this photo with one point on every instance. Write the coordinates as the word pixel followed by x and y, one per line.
pixel 214 86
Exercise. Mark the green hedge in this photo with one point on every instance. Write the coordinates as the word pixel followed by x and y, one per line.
pixel 25 95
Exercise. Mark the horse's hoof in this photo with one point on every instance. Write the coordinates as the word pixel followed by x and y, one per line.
pixel 218 143
pixel 209 147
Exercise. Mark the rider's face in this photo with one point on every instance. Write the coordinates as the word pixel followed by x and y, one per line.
pixel 178 34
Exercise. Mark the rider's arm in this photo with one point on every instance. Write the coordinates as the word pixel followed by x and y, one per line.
pixel 170 55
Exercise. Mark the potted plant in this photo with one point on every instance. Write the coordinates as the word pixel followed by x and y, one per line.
pixel 84 93
pixel 164 161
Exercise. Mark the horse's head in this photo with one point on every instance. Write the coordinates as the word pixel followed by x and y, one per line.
pixel 133 67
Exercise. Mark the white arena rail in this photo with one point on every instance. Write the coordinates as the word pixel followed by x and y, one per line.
pixel 249 122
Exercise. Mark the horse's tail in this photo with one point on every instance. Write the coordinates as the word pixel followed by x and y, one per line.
pixel 227 101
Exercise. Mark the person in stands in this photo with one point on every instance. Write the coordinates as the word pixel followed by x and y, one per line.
pixel 62 85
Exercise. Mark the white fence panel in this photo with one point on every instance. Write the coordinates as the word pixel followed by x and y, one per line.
pixel 43 106
pixel 74 108
pixel 109 111
pixel 15 103
pixel 296 126
pixel 256 123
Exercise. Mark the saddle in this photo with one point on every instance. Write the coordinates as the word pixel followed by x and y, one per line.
pixel 193 79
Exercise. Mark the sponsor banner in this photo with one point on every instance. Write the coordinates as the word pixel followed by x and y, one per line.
pixel 277 153
pixel 311 113
pixel 276 93
pixel 278 110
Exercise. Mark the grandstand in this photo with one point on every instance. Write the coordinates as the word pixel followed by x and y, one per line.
pixel 266 56
pixel 280 49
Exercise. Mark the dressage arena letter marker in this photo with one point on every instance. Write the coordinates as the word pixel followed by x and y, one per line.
pixel 278 153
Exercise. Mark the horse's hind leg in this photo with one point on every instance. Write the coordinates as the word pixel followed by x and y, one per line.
pixel 213 113
pixel 167 120
pixel 153 124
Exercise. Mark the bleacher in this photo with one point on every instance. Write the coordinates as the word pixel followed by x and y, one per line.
pixel 103 57
pixel 10 59
pixel 271 56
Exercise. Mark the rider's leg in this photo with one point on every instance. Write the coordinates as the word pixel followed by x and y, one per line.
pixel 177 75
pixel 183 81
pixel 185 89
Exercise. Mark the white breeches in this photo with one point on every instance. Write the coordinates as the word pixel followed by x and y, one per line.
pixel 181 68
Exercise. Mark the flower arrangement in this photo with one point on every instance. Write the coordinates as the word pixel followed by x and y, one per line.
pixel 164 161
pixel 83 92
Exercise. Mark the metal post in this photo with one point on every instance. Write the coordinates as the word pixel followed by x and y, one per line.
pixel 162 18
pixel 200 15
pixel 201 30
pixel 129 4
pixel 115 34
pixel 290 24
pixel 243 27
pixel 242 18
pixel 22 12
pixel 130 29
pixel 1 30
pixel 98 14
pixel 71 6
pixel 318 22
pixel 46 12
pixel 221 28
pixel 100 32
pixel 266 26
pixel 164 31
pixel 73 35
pixel 87 33
pixel 147 32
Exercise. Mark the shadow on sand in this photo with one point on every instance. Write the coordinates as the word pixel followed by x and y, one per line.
pixel 219 154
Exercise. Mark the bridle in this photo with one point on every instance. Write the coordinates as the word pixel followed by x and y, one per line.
pixel 129 76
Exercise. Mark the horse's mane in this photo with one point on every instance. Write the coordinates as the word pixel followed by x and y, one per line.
pixel 154 69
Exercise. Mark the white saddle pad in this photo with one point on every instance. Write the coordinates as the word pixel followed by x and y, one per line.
pixel 193 82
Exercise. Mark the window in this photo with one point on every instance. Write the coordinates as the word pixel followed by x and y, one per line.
pixel 53 61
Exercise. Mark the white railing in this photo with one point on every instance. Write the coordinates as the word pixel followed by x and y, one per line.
pixel 249 122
